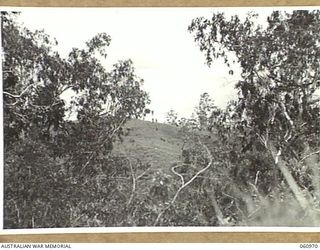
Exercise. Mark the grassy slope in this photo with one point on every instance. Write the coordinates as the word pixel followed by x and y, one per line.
pixel 154 143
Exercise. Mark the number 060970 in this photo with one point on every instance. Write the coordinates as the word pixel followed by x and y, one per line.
pixel 311 245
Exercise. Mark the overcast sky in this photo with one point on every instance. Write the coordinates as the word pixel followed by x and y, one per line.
pixel 156 39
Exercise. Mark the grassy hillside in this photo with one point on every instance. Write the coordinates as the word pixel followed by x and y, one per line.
pixel 154 143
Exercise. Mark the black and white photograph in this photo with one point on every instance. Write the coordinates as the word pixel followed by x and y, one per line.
pixel 160 118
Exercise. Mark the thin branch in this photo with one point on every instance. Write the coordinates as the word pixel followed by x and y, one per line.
pixel 143 173
pixel 286 114
pixel 133 183
pixel 307 156
pixel 45 106
pixel 288 134
pixel 277 156
pixel 257 177
pixel 11 95
pixel 262 140
pixel 173 169
pixel 18 96
pixel 64 89
pixel 88 161
pixel 182 187
pixel 261 198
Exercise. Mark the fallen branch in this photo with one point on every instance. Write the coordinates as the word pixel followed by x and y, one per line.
pixel 182 187
pixel 173 170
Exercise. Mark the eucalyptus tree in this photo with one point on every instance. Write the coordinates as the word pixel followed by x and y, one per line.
pixel 277 107
pixel 47 155
pixel 207 112
pixel 36 77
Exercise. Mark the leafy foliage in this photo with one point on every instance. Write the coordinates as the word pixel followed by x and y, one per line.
pixel 273 127
pixel 247 164
pixel 50 159
pixel 206 112
pixel 279 71
pixel 172 117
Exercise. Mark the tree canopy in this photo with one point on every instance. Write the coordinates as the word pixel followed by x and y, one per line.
pixel 277 106
pixel 279 62
pixel 36 77
pixel 47 155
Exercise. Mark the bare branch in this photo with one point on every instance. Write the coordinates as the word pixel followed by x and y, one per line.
pixel 257 177
pixel 286 114
pixel 20 95
pixel 11 95
pixel 173 169
pixel 23 117
pixel 276 158
pixel 262 139
pixel 288 134
pixel 133 183
pixel 307 156
pixel 182 187
pixel 143 173
pixel 88 161
pixel 64 89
